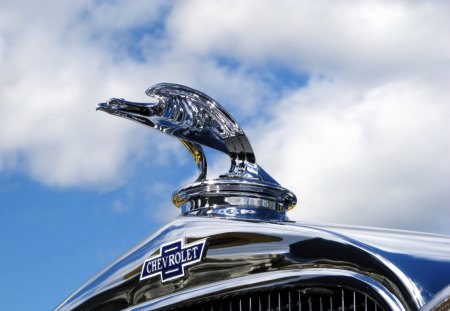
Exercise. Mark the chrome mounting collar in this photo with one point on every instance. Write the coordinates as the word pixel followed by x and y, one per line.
pixel 196 119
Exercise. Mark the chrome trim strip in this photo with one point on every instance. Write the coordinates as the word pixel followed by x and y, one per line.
pixel 270 279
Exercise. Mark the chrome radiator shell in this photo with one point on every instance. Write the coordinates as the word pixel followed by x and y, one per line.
pixel 409 267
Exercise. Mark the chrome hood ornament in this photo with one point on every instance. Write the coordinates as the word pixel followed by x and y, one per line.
pixel 196 119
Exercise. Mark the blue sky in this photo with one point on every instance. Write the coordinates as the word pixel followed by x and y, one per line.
pixel 352 97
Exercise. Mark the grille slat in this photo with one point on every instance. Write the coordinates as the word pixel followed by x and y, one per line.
pixel 287 298
pixel 279 301
pixel 299 301
pixel 290 301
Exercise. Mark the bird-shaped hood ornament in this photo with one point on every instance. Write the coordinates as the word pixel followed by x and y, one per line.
pixel 246 190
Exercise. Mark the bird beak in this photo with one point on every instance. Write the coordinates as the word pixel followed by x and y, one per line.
pixel 117 106
pixel 103 107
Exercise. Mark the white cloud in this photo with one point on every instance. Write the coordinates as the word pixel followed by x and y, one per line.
pixel 376 156
pixel 365 37
pixel 366 137
pixel 53 74
pixel 367 131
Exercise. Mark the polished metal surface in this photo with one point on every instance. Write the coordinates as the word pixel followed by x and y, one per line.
pixel 197 119
pixel 409 266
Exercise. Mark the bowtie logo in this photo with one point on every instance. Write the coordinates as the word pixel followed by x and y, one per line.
pixel 174 257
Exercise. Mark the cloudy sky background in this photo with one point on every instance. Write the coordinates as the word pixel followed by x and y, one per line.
pixel 346 103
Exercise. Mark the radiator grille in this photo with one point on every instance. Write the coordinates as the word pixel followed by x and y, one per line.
pixel 301 299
